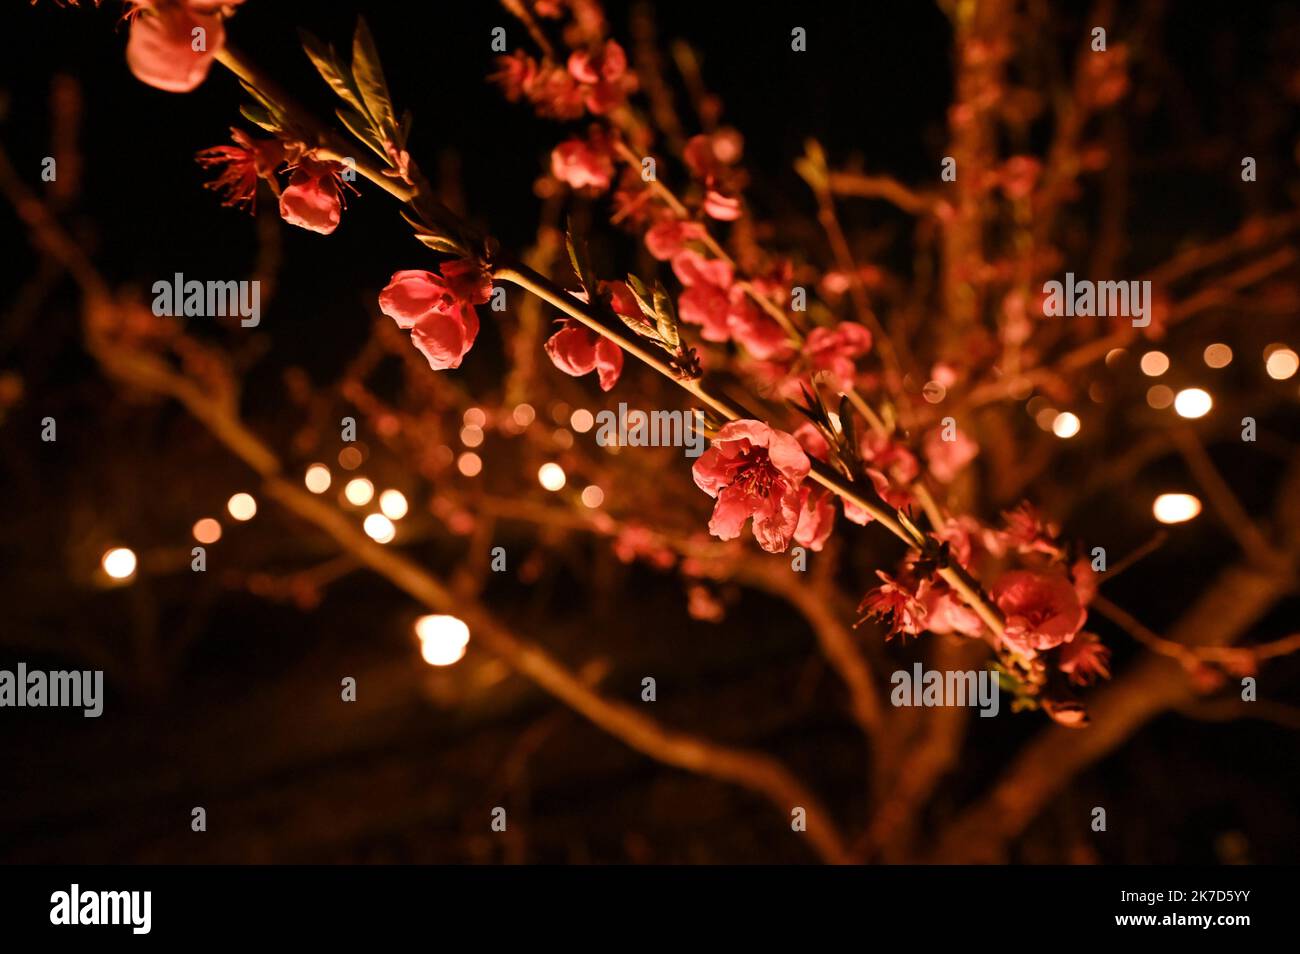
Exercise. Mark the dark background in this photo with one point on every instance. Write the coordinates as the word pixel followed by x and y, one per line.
pixel 244 718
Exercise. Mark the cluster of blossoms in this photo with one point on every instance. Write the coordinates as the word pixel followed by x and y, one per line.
pixel 311 199
pixel 438 308
pixel 171 46
pixel 755 472
pixel 759 473
pixel 172 42
pixel 1043 601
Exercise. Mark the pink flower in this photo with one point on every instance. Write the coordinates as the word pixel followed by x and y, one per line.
pixel 577 350
pixel 753 328
pixel 816 517
pixel 965 537
pixel 1028 532
pixel 947 459
pixel 245 162
pixel 707 298
pixel 817 505
pixel 754 471
pixel 583 163
pixel 710 158
pixel 714 301
pixel 549 88
pixel 1085 580
pixel 1042 609
pixel 515 74
pixel 721 207
pixel 890 456
pixel 313 199
pixel 666 238
pixel 442 322
pixel 812 441
pixel 605 79
pixel 173 42
pixel 894 498
pixel 895 604
pixel 946 613
pixel 833 350
pixel 1084 659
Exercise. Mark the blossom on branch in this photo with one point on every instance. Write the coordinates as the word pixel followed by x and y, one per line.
pixel 754 471
pixel 1042 610
pixel 245 162
pixel 438 309
pixel 173 42
pixel 313 199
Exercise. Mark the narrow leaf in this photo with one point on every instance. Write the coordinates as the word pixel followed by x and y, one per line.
pixel 665 317
pixel 326 63
pixel 369 77
pixel 360 127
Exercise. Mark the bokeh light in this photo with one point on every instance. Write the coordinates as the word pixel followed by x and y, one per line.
pixel 119 563
pixel 1154 363
pixel 592 496
pixel 1218 356
pixel 379 528
pixel 1193 403
pixel 469 464
pixel 551 476
pixel 1281 364
pixel 359 491
pixel 1065 425
pixel 242 507
pixel 1176 508
pixel 1160 396
pixel 207 530
pixel 443 639
pixel 317 478
pixel 393 504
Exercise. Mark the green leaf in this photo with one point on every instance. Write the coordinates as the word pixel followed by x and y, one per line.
pixel 326 62
pixel 666 317
pixel 581 268
pixel 360 127
pixel 642 296
pixel 440 243
pixel 259 116
pixel 640 327
pixel 369 77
